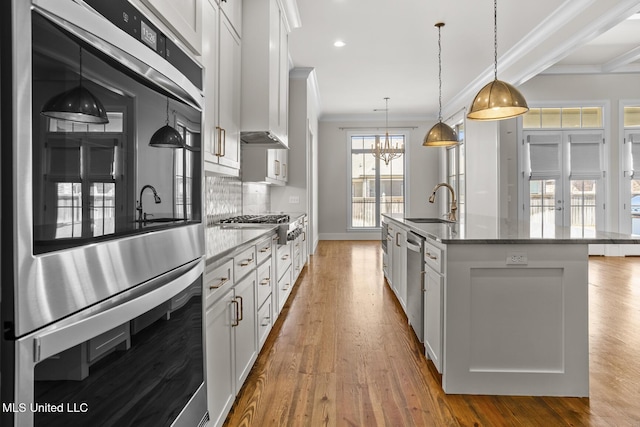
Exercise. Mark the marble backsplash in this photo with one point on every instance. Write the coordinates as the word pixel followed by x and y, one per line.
pixel 228 196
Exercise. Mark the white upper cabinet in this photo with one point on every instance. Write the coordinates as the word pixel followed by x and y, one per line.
pixel 222 61
pixel 265 72
pixel 232 9
pixel 183 17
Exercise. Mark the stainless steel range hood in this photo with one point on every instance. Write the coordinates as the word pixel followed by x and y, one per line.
pixel 261 139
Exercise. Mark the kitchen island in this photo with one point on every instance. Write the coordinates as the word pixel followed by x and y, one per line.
pixel 511 311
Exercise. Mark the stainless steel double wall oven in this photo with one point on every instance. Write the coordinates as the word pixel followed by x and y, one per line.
pixel 102 239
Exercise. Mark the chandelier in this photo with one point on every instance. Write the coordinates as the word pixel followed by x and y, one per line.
pixel 383 150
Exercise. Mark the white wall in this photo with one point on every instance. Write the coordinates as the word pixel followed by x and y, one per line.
pixel 482 173
pixel 300 194
pixel 422 174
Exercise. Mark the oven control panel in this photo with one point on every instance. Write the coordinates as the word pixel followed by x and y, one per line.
pixel 130 20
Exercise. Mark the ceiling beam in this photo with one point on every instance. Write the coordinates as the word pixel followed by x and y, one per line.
pixel 624 59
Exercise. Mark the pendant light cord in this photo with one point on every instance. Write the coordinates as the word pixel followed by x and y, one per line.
pixel 167 111
pixel 439 73
pixel 495 38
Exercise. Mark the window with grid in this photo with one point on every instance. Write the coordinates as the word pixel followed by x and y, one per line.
pixel 183 173
pixel 81 182
pixel 376 187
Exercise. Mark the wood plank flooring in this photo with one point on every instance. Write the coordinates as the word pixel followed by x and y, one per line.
pixel 342 354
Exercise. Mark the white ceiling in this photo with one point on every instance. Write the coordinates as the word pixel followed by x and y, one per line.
pixel 392 49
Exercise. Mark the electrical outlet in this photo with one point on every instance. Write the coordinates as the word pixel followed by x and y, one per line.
pixel 517 258
pixel 293 200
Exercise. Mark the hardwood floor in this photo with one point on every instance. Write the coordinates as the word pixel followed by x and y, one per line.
pixel 342 354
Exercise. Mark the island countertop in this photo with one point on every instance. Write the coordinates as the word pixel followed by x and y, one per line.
pixel 478 229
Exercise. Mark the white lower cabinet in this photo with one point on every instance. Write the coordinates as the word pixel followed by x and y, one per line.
pixel 399 265
pixel 284 288
pixel 434 257
pixel 221 391
pixel 245 328
pixel 244 294
pixel 433 301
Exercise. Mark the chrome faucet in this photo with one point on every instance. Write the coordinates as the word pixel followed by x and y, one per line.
pixel 451 216
pixel 141 216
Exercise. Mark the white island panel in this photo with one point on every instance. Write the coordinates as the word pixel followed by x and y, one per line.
pixel 517 329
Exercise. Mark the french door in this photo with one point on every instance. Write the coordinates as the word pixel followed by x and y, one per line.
pixel 564 187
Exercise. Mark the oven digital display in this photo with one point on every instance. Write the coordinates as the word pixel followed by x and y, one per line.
pixel 148 35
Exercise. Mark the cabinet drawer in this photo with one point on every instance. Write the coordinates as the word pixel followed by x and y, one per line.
pixel 284 259
pixel 264 282
pixel 264 250
pixel 433 256
pixel 244 262
pixel 216 280
pixel 284 288
pixel 265 321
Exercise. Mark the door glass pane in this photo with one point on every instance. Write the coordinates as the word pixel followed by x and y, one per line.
pixel 102 208
pixel 583 208
pixel 551 117
pixel 542 208
pixel 531 120
pixel 68 210
pixel 571 117
pixel 394 174
pixel 631 116
pixel 592 117
pixel 635 206
pixel 363 184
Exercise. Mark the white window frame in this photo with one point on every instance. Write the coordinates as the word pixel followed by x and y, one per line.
pixel 624 190
pixel 603 222
pixel 372 132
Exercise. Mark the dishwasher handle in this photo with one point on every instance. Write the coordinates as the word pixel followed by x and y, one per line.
pixel 413 246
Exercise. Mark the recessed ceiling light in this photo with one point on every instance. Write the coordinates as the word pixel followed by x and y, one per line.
pixel 634 17
pixel 339 43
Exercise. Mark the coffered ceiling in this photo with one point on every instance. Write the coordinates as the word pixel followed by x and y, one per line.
pixel 391 49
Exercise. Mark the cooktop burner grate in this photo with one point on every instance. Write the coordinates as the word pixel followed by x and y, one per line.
pixel 257 219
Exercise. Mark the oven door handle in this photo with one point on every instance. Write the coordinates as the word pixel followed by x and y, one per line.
pixel 107 315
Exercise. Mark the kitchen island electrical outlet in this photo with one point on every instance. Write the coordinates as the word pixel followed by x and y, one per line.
pixel 294 200
pixel 517 258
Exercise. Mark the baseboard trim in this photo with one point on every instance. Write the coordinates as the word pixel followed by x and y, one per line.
pixel 350 236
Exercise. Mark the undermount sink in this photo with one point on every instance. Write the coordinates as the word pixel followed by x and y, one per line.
pixel 429 220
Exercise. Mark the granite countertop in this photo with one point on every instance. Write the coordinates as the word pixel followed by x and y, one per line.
pixel 223 240
pixel 481 229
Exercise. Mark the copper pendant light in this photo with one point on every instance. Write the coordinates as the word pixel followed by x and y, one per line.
pixel 167 136
pixel 441 134
pixel 76 105
pixel 498 100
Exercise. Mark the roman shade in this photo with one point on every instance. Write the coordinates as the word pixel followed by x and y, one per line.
pixel 634 139
pixel 544 155
pixel 585 158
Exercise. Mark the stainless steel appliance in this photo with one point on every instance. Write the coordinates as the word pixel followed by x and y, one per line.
pixel 80 235
pixel 288 228
pixel 415 283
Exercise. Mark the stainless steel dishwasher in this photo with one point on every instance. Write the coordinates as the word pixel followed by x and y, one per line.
pixel 415 283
